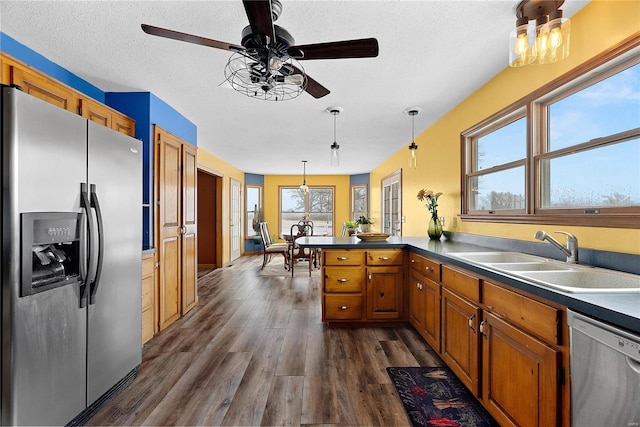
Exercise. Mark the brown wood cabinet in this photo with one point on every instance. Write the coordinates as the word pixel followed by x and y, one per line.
pixel 148 297
pixel 362 286
pixel 424 289
pixel 54 92
pixel 460 347
pixel 520 386
pixel 175 179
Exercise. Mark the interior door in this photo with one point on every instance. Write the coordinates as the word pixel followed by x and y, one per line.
pixel 391 204
pixel 235 221
pixel 189 265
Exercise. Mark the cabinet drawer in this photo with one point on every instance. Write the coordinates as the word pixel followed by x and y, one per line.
pixel 461 282
pixel 385 257
pixel 343 257
pixel 425 266
pixel 343 307
pixel 526 313
pixel 148 265
pixel 147 325
pixel 147 292
pixel 343 279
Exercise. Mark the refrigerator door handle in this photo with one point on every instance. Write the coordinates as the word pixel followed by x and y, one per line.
pixel 84 274
pixel 95 204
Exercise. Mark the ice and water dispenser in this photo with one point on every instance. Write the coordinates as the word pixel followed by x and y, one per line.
pixel 51 250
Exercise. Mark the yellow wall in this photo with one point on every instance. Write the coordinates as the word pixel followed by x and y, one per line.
pixel 600 25
pixel 271 195
pixel 224 169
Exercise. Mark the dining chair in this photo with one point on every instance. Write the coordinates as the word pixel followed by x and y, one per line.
pixel 269 248
pixel 296 253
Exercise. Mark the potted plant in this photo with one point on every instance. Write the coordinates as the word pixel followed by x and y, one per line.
pixel 365 223
pixel 352 226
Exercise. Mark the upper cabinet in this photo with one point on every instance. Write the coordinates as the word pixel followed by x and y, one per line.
pixel 13 72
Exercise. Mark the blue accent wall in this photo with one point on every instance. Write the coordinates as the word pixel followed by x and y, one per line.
pixel 22 53
pixel 144 107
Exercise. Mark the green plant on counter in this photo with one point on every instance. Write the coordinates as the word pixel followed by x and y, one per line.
pixel 364 220
pixel 351 224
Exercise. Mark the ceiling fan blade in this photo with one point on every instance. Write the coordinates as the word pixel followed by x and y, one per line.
pixel 361 48
pixel 190 38
pixel 260 19
pixel 313 88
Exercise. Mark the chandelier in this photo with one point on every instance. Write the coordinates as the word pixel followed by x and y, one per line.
pixel 281 80
pixel 541 36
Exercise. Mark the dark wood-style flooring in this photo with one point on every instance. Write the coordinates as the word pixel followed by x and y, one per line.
pixel 254 351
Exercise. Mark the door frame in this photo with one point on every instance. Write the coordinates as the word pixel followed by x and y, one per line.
pixel 235 219
pixel 389 181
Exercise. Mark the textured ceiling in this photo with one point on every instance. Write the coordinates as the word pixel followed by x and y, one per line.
pixel 433 54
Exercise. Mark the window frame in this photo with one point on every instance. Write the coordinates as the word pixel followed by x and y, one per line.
pixel 306 204
pixel 354 214
pixel 608 63
pixel 249 223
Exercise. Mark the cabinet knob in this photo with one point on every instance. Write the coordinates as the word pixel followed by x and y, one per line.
pixel 384 258
pixel 428 268
pixel 344 307
pixel 482 327
pixel 342 280
pixel 343 258
pixel 413 261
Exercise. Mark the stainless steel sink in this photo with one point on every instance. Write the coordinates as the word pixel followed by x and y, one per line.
pixel 586 280
pixel 529 266
pixel 554 274
pixel 496 257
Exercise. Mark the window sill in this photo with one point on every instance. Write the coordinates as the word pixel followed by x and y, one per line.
pixel 584 220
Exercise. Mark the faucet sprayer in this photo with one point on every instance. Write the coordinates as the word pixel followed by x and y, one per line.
pixel 571 250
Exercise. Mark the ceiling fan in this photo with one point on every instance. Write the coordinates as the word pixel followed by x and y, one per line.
pixel 265 65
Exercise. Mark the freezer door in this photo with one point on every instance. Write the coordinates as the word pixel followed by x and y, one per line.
pixel 114 313
pixel 43 335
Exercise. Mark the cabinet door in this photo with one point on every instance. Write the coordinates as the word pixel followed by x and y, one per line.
pixel 417 303
pixel 189 227
pixel 460 338
pixel 431 317
pixel 123 124
pixel 519 376
pixel 45 89
pixel 384 292
pixel 94 111
pixel 169 243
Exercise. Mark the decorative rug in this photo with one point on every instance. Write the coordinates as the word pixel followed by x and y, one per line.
pixel 275 268
pixel 436 397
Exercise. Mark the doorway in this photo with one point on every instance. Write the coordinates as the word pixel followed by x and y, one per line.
pixel 209 220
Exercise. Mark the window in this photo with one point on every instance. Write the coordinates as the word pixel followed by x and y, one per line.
pixel 253 206
pixel 359 202
pixel 567 154
pixel 317 205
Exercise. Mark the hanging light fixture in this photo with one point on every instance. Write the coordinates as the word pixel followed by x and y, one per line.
pixel 541 36
pixel 304 187
pixel 413 147
pixel 335 153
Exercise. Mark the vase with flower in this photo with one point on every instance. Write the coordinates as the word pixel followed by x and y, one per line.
pixel 434 229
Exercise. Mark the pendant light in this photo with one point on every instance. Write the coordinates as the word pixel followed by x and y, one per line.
pixel 413 147
pixel 335 153
pixel 304 187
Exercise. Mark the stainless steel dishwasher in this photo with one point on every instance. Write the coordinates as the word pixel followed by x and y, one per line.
pixel 605 374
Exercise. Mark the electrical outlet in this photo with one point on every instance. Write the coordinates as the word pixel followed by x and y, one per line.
pixel 403 219
pixel 454 222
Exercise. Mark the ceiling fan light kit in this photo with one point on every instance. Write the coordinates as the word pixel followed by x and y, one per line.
pixel 335 154
pixel 541 36
pixel 265 65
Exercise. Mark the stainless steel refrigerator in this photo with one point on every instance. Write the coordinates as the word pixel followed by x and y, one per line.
pixel 71 262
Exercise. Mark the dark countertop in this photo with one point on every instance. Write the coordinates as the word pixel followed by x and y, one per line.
pixel 621 309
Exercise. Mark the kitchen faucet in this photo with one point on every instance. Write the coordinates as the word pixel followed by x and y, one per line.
pixel 571 251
